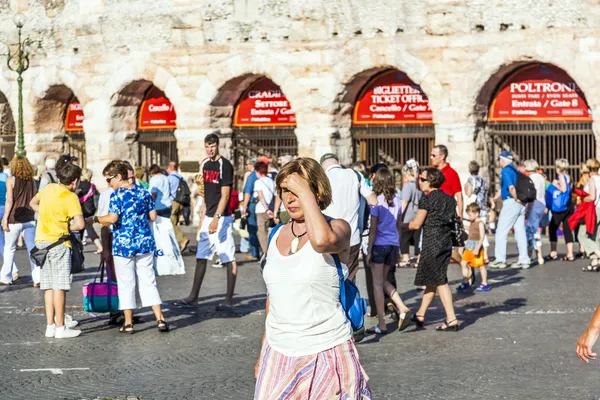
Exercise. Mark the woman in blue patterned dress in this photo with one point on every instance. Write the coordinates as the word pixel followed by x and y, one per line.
pixel 130 212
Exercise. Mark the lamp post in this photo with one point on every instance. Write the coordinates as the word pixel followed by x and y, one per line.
pixel 18 61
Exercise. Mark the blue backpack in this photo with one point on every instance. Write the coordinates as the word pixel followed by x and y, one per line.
pixel 354 305
pixel 556 200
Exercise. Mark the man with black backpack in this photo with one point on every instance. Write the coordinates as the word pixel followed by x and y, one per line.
pixel 180 195
pixel 515 191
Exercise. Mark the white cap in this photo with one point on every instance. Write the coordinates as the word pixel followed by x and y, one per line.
pixel 50 163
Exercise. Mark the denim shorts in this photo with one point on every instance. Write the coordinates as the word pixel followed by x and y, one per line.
pixel 387 255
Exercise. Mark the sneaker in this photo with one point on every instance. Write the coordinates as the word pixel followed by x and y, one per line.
pixel 498 264
pixel 483 288
pixel 65 333
pixel 463 287
pixel 50 331
pixel 519 265
pixel 69 321
pixel 541 261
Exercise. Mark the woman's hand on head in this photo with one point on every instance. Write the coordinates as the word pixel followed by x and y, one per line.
pixel 296 184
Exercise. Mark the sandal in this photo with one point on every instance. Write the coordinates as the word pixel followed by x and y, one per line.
pixel 404 321
pixel 404 264
pixel 569 259
pixel 592 267
pixel 446 327
pixel 393 311
pixel 417 321
pixel 127 329
pixel 371 315
pixel 184 303
pixel 162 326
pixel 375 330
pixel 550 258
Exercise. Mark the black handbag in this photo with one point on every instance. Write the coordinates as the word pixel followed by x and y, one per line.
pixel 38 256
pixel 458 232
pixel 77 258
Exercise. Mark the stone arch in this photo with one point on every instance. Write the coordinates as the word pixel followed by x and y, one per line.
pixel 362 142
pixel 139 70
pixel 535 135
pixel 219 88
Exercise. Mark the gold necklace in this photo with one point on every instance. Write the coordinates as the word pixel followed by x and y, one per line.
pixel 295 241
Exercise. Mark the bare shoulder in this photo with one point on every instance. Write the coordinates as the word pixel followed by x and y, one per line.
pixel 341 225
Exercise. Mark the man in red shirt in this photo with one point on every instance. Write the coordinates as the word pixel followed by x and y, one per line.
pixel 452 185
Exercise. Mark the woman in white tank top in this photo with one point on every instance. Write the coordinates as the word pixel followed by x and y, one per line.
pixel 307 350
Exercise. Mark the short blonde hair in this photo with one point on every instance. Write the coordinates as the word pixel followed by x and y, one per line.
pixel 407 171
pixel 562 164
pixel 86 175
pixel 583 168
pixel 531 165
pixel 313 173
pixel 592 165
pixel 139 173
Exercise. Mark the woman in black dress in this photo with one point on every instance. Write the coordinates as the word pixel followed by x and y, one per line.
pixel 436 214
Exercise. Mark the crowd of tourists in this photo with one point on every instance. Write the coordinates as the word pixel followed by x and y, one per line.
pixel 315 219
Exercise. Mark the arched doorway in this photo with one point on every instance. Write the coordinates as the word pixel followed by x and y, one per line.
pixel 8 130
pixel 263 124
pixel 157 122
pixel 145 119
pixel 60 114
pixel 392 121
pixel 539 112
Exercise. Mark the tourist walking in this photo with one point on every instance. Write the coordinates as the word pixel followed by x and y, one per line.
pixel 411 196
pixel 473 256
pixel 160 191
pixel 264 193
pixel 587 234
pixel 511 215
pixel 19 218
pixel 130 211
pixel 307 349
pixel 346 189
pixel 249 210
pixel 3 179
pixel 49 175
pixel 477 186
pixel 177 208
pixel 59 212
pixel 88 197
pixel 216 228
pixel 452 185
pixel 140 177
pixel 382 254
pixel 437 213
pixel 535 211
pixel 561 205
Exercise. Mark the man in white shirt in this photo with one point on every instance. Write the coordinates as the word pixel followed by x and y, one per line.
pixel 346 188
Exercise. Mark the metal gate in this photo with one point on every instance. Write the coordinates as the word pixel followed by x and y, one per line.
pixel 156 147
pixel 253 142
pixel 75 146
pixel 393 145
pixel 543 142
pixel 8 132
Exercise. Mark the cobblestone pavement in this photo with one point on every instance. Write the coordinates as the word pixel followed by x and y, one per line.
pixel 517 342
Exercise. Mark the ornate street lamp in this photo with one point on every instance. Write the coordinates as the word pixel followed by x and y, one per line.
pixel 18 61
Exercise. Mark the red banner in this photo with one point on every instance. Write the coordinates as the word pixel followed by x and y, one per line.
pixel 157 112
pixel 74 117
pixel 392 98
pixel 263 104
pixel 539 93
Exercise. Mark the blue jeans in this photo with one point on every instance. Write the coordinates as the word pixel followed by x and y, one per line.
pixel 512 214
pixel 253 230
pixel 533 222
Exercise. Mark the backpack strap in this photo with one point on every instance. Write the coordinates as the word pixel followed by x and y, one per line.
pixel 273 231
pixel 336 258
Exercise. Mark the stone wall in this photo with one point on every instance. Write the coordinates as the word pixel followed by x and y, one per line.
pixel 201 53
